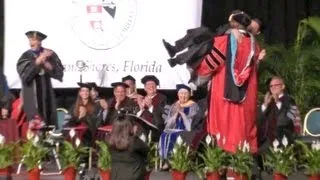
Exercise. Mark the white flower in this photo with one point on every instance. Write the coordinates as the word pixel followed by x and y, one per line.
pixel 218 136
pixel 143 137
pixel 285 141
pixel 149 137
pixel 36 140
pixel 208 139
pixel 72 133
pixel 29 134
pixel 179 141
pixel 174 150
pixel 2 139
pixel 77 142
pixel 224 140
pixel 275 144
pixel 245 147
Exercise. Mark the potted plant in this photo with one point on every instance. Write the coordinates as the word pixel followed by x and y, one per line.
pixel 104 161
pixel 180 160
pixel 152 157
pixel 310 159
pixel 240 163
pixel 6 156
pixel 281 159
pixel 33 152
pixel 70 156
pixel 214 159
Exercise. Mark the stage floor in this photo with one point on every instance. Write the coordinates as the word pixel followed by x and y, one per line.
pixel 154 176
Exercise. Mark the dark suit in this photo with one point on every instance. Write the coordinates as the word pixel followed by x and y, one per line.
pixel 274 123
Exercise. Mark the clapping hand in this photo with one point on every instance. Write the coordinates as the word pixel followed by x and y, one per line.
pixel 82 112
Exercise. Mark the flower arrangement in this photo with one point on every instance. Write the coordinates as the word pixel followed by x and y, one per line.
pixel 310 157
pixel 6 153
pixel 214 158
pixel 70 153
pixel 241 161
pixel 104 161
pixel 153 156
pixel 180 158
pixel 281 159
pixel 33 151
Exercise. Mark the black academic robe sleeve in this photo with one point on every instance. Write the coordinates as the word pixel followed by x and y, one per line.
pixel 57 67
pixel 140 147
pixel 27 68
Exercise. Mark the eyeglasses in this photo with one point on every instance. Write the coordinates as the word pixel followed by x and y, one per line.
pixel 274 85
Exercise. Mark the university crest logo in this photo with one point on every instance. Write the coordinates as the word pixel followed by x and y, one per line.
pixel 103 24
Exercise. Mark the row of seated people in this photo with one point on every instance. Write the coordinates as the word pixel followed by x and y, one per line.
pixel 278 114
pixel 184 117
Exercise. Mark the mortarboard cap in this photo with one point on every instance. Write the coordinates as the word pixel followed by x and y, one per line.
pixel 147 78
pixel 85 85
pixel 116 84
pixel 93 85
pixel 183 86
pixel 129 77
pixel 36 34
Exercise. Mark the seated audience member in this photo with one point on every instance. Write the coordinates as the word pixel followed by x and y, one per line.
pixel 94 92
pixel 180 117
pixel 8 126
pixel 6 98
pixel 84 113
pixel 103 113
pixel 152 105
pixel 132 92
pixel 128 151
pixel 278 116
pixel 120 102
pixel 20 117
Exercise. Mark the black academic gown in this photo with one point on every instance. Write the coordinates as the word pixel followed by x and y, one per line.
pixel 37 89
pixel 91 121
pixel 128 105
pixel 129 164
pixel 6 97
pixel 199 43
pixel 155 117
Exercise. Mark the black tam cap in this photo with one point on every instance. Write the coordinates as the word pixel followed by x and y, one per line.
pixel 116 84
pixel 36 34
pixel 147 78
pixel 242 18
pixel 183 86
pixel 129 77
pixel 93 85
pixel 85 85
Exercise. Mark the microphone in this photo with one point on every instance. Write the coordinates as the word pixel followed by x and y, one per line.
pixel 81 65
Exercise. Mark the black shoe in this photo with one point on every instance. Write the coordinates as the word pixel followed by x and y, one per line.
pixel 169 48
pixel 172 62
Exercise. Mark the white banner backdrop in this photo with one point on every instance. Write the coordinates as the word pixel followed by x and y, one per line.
pixel 113 38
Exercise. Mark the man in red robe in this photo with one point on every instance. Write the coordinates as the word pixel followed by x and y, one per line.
pixel 232 67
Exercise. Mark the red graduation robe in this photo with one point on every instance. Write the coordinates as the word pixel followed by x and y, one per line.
pixel 235 122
